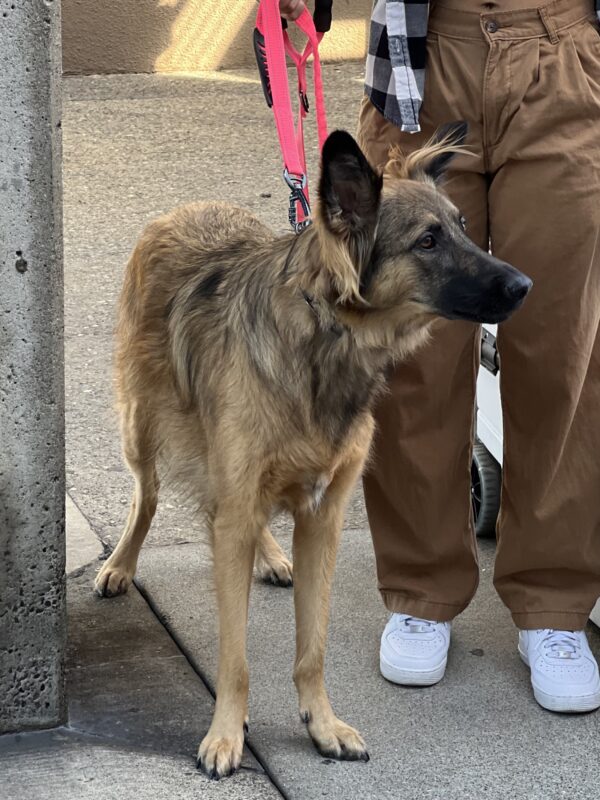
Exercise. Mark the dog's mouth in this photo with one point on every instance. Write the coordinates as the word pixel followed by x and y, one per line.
pixel 479 316
pixel 492 317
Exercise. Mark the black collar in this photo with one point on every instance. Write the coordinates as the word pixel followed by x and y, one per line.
pixel 311 302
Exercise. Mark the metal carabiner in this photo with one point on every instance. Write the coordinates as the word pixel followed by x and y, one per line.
pixel 297 184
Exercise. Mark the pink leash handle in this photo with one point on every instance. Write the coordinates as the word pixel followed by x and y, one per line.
pixel 307 26
pixel 271 45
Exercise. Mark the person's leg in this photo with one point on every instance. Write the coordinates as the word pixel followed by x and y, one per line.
pixel 417 489
pixel 544 151
pixel 545 219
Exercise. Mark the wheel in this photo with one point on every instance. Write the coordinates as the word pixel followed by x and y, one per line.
pixel 486 482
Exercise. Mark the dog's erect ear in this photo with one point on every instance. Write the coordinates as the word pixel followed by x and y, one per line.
pixel 349 195
pixel 349 189
pixel 430 162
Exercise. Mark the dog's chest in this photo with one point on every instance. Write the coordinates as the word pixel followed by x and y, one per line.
pixel 307 493
pixel 315 491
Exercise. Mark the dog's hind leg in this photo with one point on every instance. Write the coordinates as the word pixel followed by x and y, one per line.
pixel 316 539
pixel 234 542
pixel 140 454
pixel 272 566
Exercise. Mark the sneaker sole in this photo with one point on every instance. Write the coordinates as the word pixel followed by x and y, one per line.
pixel 577 704
pixel 411 677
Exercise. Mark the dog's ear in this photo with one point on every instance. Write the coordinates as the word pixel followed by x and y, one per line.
pixel 349 189
pixel 430 162
pixel 349 196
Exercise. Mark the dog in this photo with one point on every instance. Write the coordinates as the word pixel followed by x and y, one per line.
pixel 250 363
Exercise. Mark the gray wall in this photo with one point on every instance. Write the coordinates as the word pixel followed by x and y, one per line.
pixel 32 486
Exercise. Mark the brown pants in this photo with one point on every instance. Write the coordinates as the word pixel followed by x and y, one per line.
pixel 530 91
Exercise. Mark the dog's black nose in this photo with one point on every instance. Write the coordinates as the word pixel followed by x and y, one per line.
pixel 518 287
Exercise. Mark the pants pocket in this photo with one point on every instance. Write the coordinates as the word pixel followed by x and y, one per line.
pixel 585 38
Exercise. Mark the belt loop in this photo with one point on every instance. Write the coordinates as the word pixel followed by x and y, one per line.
pixel 548 23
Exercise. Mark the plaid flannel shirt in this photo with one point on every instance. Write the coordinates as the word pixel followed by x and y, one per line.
pixel 395 71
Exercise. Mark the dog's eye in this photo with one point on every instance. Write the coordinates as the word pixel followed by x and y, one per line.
pixel 463 223
pixel 427 242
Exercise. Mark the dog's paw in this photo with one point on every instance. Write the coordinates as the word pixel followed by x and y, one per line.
pixel 279 571
pixel 112 580
pixel 334 739
pixel 219 757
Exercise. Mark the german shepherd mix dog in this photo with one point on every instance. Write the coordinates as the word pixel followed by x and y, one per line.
pixel 251 362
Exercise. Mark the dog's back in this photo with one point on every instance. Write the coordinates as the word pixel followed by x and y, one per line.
pixel 174 261
pixel 173 345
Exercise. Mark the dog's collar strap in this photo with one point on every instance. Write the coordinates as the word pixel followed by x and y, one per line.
pixel 326 319
pixel 310 301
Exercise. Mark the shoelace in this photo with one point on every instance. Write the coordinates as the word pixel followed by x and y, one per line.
pixel 561 644
pixel 417 625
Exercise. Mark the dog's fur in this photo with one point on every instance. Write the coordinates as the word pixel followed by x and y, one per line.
pixel 251 363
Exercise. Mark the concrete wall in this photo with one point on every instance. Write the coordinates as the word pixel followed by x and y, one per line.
pixel 32 485
pixel 106 36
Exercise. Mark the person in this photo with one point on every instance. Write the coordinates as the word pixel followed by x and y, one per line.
pixel 525 75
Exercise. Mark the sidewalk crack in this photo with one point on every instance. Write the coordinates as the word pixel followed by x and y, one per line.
pixel 209 687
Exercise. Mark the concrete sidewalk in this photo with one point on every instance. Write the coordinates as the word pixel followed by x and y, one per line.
pixel 135 705
pixel 136 146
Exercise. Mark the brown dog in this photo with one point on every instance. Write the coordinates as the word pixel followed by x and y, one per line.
pixel 251 362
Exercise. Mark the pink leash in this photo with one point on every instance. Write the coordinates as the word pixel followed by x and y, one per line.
pixel 271 43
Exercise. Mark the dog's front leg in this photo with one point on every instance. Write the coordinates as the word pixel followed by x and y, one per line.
pixel 316 539
pixel 234 542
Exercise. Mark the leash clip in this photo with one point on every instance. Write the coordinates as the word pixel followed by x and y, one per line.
pixel 297 184
pixel 304 101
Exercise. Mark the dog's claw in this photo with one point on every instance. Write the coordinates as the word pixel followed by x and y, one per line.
pixel 276 571
pixel 338 741
pixel 219 757
pixel 275 580
pixel 343 755
pixel 305 717
pixel 211 773
pixel 112 581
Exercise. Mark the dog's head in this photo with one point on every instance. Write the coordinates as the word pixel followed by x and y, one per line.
pixel 398 240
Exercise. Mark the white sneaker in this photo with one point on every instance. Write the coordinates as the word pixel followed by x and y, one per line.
pixel 414 651
pixel 564 673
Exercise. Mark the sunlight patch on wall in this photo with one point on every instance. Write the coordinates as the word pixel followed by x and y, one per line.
pixel 346 41
pixel 211 34
pixel 203 34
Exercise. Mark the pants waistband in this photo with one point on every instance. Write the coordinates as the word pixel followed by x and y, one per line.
pixel 547 20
